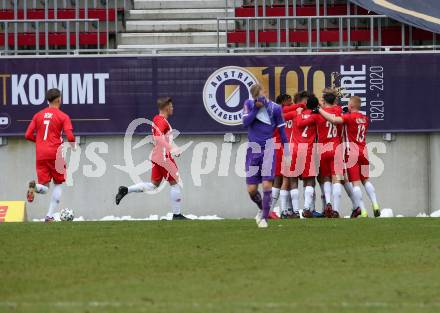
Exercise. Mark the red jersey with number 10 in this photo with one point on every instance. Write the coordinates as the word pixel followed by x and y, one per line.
pixel 46 129
pixel 289 113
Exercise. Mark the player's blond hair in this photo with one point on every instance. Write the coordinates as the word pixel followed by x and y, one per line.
pixel 356 101
pixel 255 90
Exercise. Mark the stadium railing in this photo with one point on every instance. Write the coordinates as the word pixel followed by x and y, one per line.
pixel 266 8
pixel 314 36
pixel 323 31
pixel 106 11
pixel 47 38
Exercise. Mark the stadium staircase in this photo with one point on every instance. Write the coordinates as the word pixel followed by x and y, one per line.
pixel 175 24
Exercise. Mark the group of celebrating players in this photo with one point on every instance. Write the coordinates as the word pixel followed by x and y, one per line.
pixel 287 139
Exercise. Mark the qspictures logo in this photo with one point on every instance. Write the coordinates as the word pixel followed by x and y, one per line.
pixel 224 93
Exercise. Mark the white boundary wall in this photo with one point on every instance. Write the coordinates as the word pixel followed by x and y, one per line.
pixel 409 183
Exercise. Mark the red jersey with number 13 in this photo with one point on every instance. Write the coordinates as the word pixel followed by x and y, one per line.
pixel 357 126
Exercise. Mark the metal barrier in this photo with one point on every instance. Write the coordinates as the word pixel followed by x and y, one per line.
pixel 287 23
pixel 295 3
pixel 37 23
pixel 75 4
pixel 291 20
pixel 222 51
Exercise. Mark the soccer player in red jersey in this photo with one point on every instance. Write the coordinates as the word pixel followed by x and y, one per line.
pixel 330 151
pixel 289 195
pixel 285 101
pixel 164 166
pixel 46 129
pixel 303 158
pixel 356 124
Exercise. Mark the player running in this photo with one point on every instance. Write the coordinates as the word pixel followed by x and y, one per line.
pixel 356 124
pixel 261 117
pixel 46 130
pixel 164 166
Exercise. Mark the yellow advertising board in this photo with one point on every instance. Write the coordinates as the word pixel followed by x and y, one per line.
pixel 12 211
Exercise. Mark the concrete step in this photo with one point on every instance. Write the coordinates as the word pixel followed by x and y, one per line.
pixel 183 4
pixel 171 38
pixel 176 26
pixel 171 47
pixel 170 14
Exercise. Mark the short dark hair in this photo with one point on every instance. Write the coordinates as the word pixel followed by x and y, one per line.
pixel 282 97
pixel 312 102
pixel 163 102
pixel 300 95
pixel 329 96
pixel 279 99
pixel 304 94
pixel 52 94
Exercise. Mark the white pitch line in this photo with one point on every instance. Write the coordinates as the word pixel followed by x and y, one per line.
pixel 207 304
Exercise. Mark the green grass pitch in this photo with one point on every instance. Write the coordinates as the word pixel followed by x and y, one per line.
pixel 332 266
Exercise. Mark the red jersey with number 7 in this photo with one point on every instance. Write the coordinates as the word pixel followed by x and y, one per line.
pixel 46 130
pixel 357 126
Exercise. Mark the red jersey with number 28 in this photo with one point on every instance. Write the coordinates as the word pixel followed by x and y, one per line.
pixel 328 132
pixel 46 129
pixel 357 126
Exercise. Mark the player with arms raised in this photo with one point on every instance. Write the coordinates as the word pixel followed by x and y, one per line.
pixel 261 117
pixel 356 124
pixel 46 129
pixel 164 166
